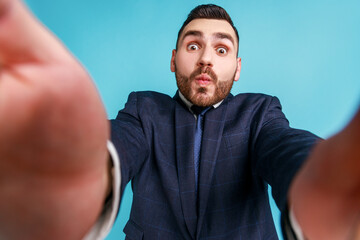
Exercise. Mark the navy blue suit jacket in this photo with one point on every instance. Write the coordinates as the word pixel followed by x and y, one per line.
pixel 247 144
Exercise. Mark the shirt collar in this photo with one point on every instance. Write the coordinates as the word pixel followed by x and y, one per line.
pixel 189 104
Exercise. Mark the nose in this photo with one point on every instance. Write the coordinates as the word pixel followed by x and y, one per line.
pixel 206 58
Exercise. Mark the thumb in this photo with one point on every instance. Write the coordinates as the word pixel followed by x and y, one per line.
pixel 24 39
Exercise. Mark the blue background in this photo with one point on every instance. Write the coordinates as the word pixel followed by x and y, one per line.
pixel 307 53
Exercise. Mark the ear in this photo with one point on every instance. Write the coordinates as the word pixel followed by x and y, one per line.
pixel 238 69
pixel 172 62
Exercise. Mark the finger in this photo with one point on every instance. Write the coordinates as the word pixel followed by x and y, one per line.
pixel 23 38
pixel 356 231
pixel 354 125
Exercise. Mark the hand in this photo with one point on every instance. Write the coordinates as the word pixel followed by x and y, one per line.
pixel 53 157
pixel 325 194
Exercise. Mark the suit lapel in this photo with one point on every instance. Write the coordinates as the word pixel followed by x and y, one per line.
pixel 184 138
pixel 213 129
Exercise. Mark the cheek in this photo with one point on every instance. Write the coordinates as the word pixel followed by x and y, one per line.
pixel 226 71
pixel 185 63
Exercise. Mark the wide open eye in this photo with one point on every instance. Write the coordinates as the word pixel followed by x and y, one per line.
pixel 221 50
pixel 192 47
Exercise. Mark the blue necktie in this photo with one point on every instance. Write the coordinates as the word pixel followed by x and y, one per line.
pixel 199 111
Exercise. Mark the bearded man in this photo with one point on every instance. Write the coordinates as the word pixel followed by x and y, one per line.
pixel 199 162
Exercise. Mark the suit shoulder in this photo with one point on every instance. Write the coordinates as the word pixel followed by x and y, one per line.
pixel 149 94
pixel 150 97
pixel 254 98
pixel 254 102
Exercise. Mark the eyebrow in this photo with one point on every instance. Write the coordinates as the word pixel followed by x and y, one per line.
pixel 225 36
pixel 219 35
pixel 192 33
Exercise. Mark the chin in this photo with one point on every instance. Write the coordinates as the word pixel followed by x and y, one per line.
pixel 202 99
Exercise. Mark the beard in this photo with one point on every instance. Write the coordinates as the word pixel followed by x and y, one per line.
pixel 199 95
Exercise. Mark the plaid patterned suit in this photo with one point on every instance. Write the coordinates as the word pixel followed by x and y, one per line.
pixel 247 143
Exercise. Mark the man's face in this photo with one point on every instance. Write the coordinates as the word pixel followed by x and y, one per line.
pixel 205 63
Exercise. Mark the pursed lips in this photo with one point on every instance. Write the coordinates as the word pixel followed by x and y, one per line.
pixel 203 79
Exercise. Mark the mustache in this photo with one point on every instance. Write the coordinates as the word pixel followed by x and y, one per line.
pixel 206 70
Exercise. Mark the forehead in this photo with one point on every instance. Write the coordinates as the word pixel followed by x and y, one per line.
pixel 208 27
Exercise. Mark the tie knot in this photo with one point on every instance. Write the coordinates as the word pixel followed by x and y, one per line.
pixel 197 110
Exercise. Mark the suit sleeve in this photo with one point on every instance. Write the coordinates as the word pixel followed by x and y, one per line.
pixel 279 151
pixel 129 140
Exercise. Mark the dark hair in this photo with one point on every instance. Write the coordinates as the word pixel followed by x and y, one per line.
pixel 207 11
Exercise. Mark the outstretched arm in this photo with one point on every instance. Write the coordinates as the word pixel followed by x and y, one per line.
pixel 53 132
pixel 325 194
